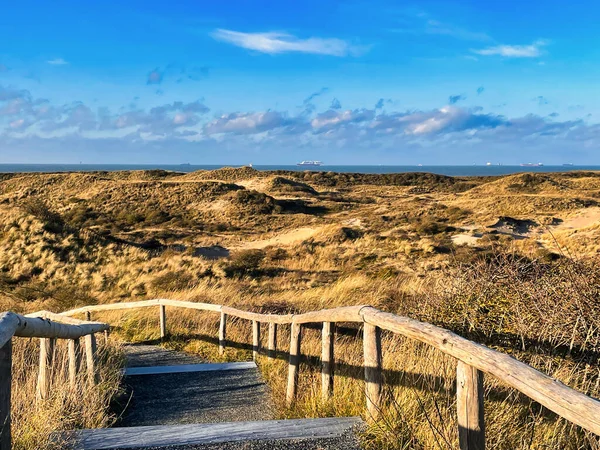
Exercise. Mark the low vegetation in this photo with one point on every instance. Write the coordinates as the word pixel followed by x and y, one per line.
pixel 37 424
pixel 510 262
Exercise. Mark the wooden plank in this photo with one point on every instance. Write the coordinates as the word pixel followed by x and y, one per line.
pixel 163 321
pixel 90 358
pixel 210 433
pixel 191 305
pixel 47 346
pixel 294 363
pixel 342 314
pixel 549 392
pixel 111 307
pixel 272 340
pixel 5 392
pixel 255 339
pixel 327 360
pixel 74 350
pixel 185 368
pixel 373 374
pixel 267 318
pixel 469 406
pixel 12 324
pixel 222 333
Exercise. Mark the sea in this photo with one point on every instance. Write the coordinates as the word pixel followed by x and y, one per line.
pixel 472 170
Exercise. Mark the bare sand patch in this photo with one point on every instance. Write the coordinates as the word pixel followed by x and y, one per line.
pixel 287 238
pixel 465 239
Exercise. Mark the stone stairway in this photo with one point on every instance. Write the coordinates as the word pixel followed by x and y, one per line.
pixel 177 401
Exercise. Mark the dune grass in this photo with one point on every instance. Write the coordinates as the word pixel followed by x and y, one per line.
pixel 36 424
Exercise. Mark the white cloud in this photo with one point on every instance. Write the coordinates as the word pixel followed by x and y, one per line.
pixel 57 62
pixel 278 42
pixel 246 123
pixel 533 50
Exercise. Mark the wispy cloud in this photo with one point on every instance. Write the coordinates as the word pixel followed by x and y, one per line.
pixel 533 50
pixel 277 42
pixel 57 62
pixel 420 22
pixel 444 29
pixel 155 76
pixel 454 99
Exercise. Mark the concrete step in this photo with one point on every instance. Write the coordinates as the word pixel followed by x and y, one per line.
pixel 333 433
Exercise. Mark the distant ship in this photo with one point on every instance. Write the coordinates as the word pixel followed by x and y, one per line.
pixel 310 163
pixel 568 164
pixel 532 165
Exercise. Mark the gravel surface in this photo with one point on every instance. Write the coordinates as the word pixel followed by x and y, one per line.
pixel 195 397
pixel 140 355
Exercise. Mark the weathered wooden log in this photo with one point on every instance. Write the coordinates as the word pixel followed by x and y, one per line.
pixel 12 324
pixel 222 333
pixel 327 360
pixel 191 305
pixel 469 405
pixel 373 374
pixel 281 319
pixel 163 321
pixel 74 349
pixel 5 392
pixel 272 340
pixel 342 314
pixel 111 307
pixel 574 406
pixel 47 346
pixel 294 363
pixel 255 339
pixel 90 358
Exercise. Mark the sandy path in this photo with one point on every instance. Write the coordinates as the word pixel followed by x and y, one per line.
pixel 287 238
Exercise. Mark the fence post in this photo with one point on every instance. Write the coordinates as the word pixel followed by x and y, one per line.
pixel 373 375
pixel 45 367
pixel 255 339
pixel 163 321
pixel 90 357
pixel 222 333
pixel 5 390
pixel 294 364
pixel 74 360
pixel 272 340
pixel 327 360
pixel 469 404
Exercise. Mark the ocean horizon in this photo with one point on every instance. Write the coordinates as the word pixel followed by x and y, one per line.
pixel 450 170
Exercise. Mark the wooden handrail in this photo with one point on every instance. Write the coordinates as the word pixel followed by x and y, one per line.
pixel 473 359
pixel 48 327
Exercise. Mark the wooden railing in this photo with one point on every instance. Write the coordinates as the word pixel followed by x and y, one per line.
pixel 48 327
pixel 473 361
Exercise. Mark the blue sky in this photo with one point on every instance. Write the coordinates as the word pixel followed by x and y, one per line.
pixel 353 82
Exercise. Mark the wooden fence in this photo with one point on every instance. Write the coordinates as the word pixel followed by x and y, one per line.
pixel 48 327
pixel 473 359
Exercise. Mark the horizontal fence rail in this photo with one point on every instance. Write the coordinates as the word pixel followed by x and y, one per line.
pixel 474 360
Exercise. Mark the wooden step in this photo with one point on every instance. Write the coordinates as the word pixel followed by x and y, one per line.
pixel 209 433
pixel 184 368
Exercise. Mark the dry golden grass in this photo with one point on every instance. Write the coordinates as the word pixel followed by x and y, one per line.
pixel 68 240
pixel 35 423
